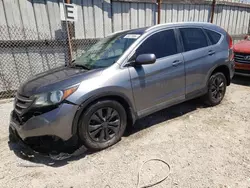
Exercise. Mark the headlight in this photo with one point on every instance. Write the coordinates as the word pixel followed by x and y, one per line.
pixel 53 97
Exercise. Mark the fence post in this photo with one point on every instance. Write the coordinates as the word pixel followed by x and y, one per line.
pixel 68 26
pixel 212 12
pixel 248 28
pixel 159 11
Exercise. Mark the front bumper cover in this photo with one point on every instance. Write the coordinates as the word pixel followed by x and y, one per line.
pixel 57 122
pixel 23 150
pixel 242 69
pixel 53 127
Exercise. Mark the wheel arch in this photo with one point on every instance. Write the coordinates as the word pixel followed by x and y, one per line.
pixel 224 69
pixel 123 100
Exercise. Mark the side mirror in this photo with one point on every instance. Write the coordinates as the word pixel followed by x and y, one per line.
pixel 145 59
pixel 246 37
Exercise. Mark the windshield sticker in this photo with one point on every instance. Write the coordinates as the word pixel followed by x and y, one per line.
pixel 132 36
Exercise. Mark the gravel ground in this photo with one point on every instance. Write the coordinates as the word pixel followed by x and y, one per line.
pixel 205 147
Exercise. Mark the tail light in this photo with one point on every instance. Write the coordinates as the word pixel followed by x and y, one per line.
pixel 230 41
pixel 230 46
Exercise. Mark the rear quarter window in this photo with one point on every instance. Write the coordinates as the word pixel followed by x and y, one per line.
pixel 213 36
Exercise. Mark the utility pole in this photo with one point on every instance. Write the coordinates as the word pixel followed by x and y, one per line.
pixel 248 28
pixel 212 11
pixel 159 11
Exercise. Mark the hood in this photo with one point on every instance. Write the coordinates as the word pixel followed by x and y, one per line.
pixel 242 47
pixel 55 79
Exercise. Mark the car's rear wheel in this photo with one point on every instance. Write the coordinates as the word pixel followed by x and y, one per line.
pixel 216 89
pixel 102 124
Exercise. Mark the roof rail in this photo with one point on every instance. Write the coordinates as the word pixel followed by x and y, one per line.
pixel 174 23
pixel 120 31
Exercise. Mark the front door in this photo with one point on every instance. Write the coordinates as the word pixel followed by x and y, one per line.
pixel 162 83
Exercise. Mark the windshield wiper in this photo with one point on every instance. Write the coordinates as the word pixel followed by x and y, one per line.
pixel 80 66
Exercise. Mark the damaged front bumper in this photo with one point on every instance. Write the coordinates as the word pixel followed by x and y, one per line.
pixel 57 122
pixel 49 133
pixel 57 150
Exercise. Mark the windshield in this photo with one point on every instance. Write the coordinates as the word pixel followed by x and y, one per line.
pixel 106 52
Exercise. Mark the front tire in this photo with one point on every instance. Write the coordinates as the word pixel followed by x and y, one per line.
pixel 102 124
pixel 216 89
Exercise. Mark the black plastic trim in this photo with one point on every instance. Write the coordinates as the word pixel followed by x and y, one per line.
pixel 86 103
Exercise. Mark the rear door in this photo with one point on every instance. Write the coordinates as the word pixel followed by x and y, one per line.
pixel 197 56
pixel 162 83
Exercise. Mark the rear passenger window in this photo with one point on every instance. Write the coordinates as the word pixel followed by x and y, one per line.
pixel 161 44
pixel 213 36
pixel 193 38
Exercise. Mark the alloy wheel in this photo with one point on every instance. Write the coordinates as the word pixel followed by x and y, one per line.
pixel 217 88
pixel 104 124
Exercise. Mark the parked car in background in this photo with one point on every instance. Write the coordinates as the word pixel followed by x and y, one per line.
pixel 124 77
pixel 242 57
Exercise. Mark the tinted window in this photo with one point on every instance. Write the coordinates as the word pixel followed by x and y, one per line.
pixel 193 38
pixel 161 44
pixel 213 36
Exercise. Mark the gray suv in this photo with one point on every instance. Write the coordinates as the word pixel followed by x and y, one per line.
pixel 124 77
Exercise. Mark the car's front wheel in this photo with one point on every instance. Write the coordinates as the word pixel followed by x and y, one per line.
pixel 102 124
pixel 216 89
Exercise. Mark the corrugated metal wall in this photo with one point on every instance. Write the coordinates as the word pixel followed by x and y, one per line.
pixel 232 18
pixel 98 18
pixel 185 13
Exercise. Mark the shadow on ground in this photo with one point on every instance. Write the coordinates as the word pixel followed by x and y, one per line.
pixel 165 115
pixel 32 159
pixel 241 80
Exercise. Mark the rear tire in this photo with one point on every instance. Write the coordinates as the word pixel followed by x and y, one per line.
pixel 216 89
pixel 102 124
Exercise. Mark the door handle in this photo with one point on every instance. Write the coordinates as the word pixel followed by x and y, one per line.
pixel 211 52
pixel 176 63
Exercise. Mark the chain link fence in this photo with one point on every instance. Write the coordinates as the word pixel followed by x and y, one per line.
pixel 30 53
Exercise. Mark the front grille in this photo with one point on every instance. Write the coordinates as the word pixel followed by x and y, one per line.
pixel 24 109
pixel 242 57
pixel 16 118
pixel 22 104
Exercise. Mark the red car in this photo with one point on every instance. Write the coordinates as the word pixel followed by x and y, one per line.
pixel 242 57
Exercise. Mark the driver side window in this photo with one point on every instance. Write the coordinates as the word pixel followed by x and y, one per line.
pixel 161 44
